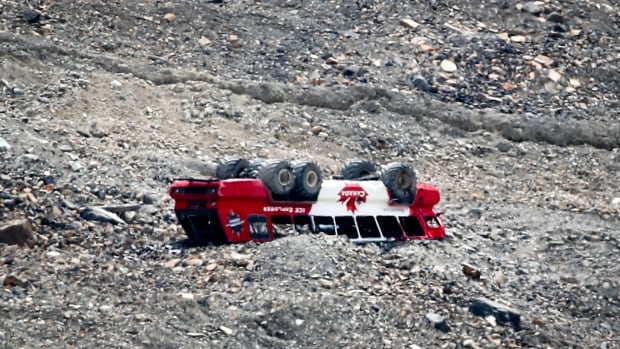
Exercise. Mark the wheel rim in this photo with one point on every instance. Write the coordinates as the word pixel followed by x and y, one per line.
pixel 404 181
pixel 312 179
pixel 284 177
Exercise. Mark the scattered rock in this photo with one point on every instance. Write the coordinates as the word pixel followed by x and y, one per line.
pixel 554 75
pixel 170 17
pixel 503 315
pixel 99 214
pixel 555 17
pixel 12 281
pixel 226 330
pixel 438 322
pixel 543 60
pixel 420 83
pixel 471 271
pixel 448 66
pixel 409 23
pixel 533 7
pixel 4 145
pixel 17 232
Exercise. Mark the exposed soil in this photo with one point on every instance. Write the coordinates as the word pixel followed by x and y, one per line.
pixel 511 109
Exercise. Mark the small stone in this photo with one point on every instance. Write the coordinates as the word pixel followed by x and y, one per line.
pixel 99 214
pixel 420 83
pixel 518 38
pixel 471 271
pixel 438 322
pixel 170 17
pixel 394 61
pixel 204 41
pixel 149 199
pixel 326 283
pixel 227 331
pixel 448 66
pixel 12 281
pixel 195 334
pixel 532 7
pixel 299 322
pixel 53 254
pixel 172 263
pixel 574 82
pixel 115 84
pixel 65 147
pixel 187 296
pixel 409 23
pixel 503 147
pixel 543 60
pixel 555 17
pixel 484 307
pixel 316 130
pixel 105 309
pixel 353 70
pixel 4 145
pixel 554 75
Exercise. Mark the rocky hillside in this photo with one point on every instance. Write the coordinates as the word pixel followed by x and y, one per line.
pixel 510 108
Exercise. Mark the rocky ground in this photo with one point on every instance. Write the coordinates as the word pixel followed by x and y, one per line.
pixel 510 108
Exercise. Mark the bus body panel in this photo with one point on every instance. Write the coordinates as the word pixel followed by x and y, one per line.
pixel 246 210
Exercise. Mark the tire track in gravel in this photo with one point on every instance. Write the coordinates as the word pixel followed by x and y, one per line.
pixel 517 128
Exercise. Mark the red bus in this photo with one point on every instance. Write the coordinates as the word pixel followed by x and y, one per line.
pixel 234 210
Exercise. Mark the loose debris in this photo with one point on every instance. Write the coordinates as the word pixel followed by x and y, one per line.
pixel 510 108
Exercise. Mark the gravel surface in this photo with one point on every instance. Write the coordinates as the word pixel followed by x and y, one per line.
pixel 510 108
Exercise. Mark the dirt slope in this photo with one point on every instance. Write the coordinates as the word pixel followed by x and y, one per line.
pixel 511 109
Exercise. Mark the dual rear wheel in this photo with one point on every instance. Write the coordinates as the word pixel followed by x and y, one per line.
pixel 300 180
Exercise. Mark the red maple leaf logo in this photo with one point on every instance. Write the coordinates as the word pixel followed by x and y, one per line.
pixel 352 195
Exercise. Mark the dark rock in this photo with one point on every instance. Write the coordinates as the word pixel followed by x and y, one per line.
pixel 31 16
pixel 420 83
pixel 560 28
pixel 149 199
pixel 18 232
pixel 504 147
pixel 353 70
pixel 471 271
pixel 12 281
pixel 555 17
pixel 438 322
pixel 98 214
pixel 503 315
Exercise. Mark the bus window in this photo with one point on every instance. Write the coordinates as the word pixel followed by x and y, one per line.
pixel 258 227
pixel 389 226
pixel 324 224
pixel 346 226
pixel 281 225
pixel 412 226
pixel 302 223
pixel 368 227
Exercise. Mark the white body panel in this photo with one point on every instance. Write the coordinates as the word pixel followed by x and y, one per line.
pixel 361 198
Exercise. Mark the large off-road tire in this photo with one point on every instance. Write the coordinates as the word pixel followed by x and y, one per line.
pixel 358 168
pixel 401 181
pixel 232 168
pixel 308 180
pixel 278 176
